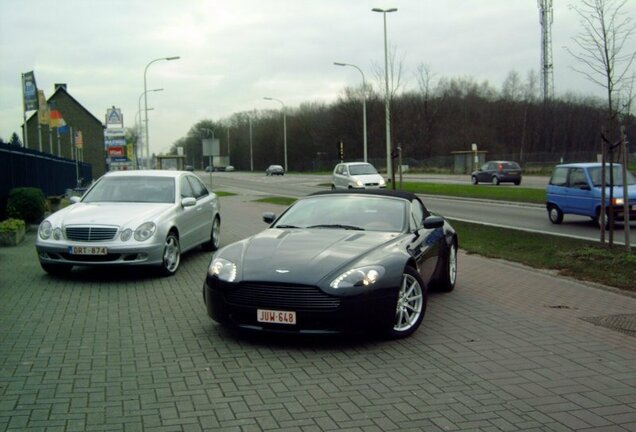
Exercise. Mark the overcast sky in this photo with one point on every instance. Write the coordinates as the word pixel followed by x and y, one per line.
pixel 235 52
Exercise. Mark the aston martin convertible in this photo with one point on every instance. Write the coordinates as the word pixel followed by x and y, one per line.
pixel 335 262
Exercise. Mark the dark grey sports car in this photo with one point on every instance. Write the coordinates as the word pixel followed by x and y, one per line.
pixel 336 261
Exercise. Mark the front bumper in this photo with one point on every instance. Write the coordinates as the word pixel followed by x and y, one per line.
pixel 317 312
pixel 58 252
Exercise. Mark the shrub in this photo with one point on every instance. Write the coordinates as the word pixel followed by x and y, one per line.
pixel 11 225
pixel 26 203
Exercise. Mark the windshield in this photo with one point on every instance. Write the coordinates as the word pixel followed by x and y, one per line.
pixel 132 189
pixel 346 212
pixel 595 174
pixel 362 169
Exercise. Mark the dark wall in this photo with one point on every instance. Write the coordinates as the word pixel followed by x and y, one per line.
pixel 21 167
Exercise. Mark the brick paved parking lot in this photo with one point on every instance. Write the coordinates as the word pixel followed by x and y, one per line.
pixel 509 349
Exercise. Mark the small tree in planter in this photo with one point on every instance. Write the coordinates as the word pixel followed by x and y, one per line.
pixel 12 232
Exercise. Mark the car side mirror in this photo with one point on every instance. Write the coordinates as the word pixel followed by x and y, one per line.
pixel 269 217
pixel 75 199
pixel 188 202
pixel 433 222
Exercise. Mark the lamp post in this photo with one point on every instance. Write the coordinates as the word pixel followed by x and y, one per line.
pixel 146 102
pixel 387 109
pixel 209 156
pixel 364 107
pixel 139 112
pixel 284 127
pixel 251 152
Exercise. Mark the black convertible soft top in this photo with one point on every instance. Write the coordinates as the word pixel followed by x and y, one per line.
pixel 380 192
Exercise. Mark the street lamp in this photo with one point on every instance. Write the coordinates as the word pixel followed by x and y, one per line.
pixel 210 131
pixel 146 101
pixel 139 112
pixel 284 128
pixel 364 106
pixel 387 109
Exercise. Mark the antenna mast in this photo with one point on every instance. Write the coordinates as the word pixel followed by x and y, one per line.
pixel 547 78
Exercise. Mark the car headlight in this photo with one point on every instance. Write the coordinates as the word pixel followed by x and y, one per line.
pixel 57 233
pixel 619 201
pixel 359 183
pixel 223 269
pixel 145 231
pixel 382 182
pixel 45 230
pixel 362 276
pixel 125 235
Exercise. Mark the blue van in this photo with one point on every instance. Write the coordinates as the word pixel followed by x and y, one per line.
pixel 576 189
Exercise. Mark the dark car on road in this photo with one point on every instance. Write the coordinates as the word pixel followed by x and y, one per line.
pixel 496 172
pixel 273 170
pixel 335 261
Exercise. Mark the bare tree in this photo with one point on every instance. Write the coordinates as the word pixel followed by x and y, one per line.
pixel 396 69
pixel 606 30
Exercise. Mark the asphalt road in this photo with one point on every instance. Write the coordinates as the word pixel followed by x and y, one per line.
pixel 528 217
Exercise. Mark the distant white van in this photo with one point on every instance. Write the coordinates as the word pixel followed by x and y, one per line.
pixel 356 175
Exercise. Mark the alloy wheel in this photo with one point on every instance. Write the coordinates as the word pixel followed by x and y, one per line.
pixel 409 304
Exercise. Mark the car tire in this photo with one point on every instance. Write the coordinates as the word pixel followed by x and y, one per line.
pixel 56 269
pixel 555 214
pixel 449 277
pixel 215 236
pixel 171 257
pixel 411 304
pixel 597 220
pixel 517 182
pixel 474 180
pixel 495 180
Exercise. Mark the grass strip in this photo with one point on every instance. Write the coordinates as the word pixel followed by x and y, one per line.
pixel 492 192
pixel 580 259
pixel 223 193
pixel 279 200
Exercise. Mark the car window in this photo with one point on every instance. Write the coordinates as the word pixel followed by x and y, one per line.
pixel 417 215
pixel 198 188
pixel 595 174
pixel 368 213
pixel 577 178
pixel 362 169
pixel 559 177
pixel 186 189
pixel 132 189
pixel 511 165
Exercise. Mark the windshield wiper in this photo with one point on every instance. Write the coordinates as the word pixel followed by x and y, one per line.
pixel 347 227
pixel 286 226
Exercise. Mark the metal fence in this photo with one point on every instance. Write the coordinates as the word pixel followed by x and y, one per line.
pixel 21 167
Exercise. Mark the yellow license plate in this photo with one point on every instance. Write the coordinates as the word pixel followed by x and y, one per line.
pixel 276 317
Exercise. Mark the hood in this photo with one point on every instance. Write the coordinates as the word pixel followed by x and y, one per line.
pixel 305 256
pixel 368 178
pixel 117 214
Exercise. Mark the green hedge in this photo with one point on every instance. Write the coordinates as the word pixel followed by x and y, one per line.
pixel 11 225
pixel 26 203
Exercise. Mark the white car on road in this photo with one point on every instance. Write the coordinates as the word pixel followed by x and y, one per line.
pixel 356 175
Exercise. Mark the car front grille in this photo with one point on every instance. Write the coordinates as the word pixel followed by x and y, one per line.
pixel 275 296
pixel 90 233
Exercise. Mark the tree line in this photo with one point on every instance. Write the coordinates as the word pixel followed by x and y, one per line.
pixel 427 124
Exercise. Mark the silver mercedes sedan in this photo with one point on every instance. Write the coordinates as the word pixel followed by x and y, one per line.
pixel 131 218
